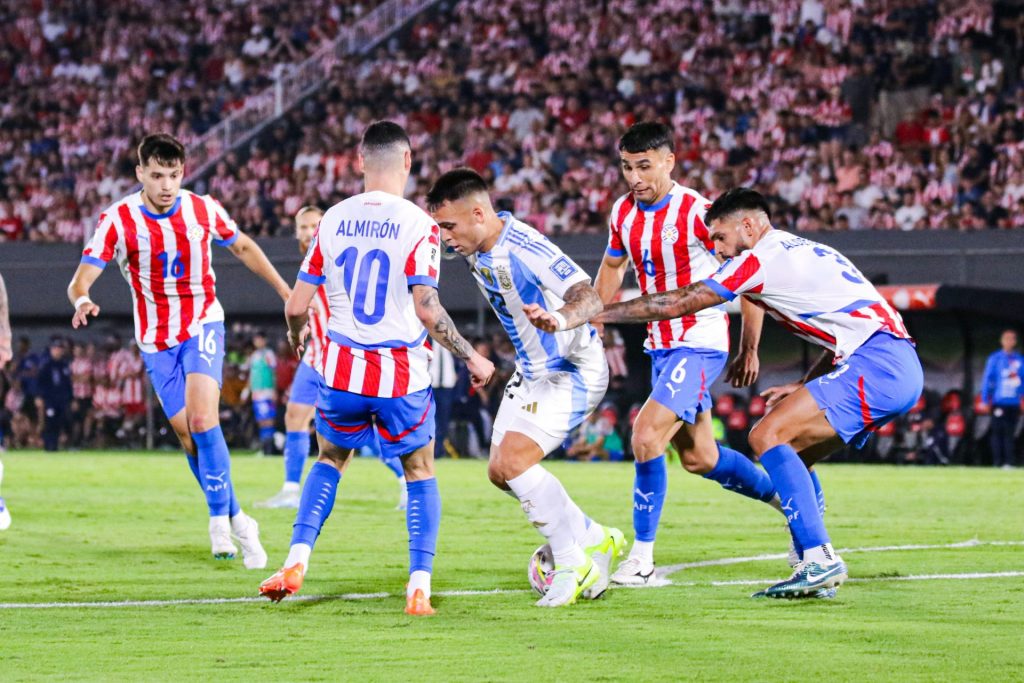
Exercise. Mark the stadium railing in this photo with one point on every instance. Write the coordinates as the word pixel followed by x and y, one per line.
pixel 298 81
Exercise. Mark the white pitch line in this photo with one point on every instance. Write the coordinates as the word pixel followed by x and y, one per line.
pixel 662 581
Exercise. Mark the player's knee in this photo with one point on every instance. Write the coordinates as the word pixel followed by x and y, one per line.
pixel 762 437
pixel 201 422
pixel 295 417
pixel 646 443
pixel 496 473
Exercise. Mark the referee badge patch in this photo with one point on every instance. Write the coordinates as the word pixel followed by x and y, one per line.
pixel 563 268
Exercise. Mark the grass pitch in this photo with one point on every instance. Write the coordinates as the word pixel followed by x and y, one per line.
pixel 117 528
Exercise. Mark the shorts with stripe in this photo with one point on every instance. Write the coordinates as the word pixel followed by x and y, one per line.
pixel 549 407
pixel 168 369
pixel 879 381
pixel 404 423
pixel 681 379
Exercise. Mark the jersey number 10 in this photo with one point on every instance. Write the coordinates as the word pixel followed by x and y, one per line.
pixel 354 267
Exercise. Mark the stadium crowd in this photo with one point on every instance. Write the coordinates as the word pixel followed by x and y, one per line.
pixel 885 114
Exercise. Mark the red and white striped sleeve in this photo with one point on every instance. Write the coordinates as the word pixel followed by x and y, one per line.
pixel 741 275
pixel 616 247
pixel 423 262
pixel 225 230
pixel 312 269
pixel 104 243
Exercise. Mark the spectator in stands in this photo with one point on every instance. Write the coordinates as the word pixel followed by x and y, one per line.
pixel 54 393
pixel 1002 392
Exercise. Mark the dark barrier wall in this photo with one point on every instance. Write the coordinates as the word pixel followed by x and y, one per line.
pixel 37 275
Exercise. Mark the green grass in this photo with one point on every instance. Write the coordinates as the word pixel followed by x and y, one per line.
pixel 95 527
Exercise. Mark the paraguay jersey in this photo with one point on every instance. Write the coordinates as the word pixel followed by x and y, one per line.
pixel 318 317
pixel 670 248
pixel 165 258
pixel 524 267
pixel 811 290
pixel 367 254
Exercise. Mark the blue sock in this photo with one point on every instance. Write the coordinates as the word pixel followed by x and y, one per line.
pixel 649 488
pixel 818 493
pixel 793 482
pixel 296 450
pixel 422 518
pixel 735 472
pixel 214 469
pixel 316 503
pixel 193 464
pixel 395 465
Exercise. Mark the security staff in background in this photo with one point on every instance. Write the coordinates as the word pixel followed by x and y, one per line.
pixel 54 393
pixel 1002 392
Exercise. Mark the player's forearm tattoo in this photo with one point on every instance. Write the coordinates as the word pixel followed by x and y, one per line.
pixel 5 318
pixel 441 328
pixel 661 306
pixel 823 365
pixel 582 302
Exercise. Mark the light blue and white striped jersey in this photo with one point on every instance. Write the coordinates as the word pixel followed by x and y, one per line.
pixel 524 267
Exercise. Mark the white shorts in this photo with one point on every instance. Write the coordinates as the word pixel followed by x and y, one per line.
pixel 549 407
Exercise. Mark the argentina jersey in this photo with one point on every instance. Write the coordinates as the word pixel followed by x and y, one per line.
pixel 524 267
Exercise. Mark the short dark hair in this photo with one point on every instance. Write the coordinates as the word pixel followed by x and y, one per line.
pixel 737 199
pixel 163 147
pixel 453 186
pixel 646 135
pixel 381 135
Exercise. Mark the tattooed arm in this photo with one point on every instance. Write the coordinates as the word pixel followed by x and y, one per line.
pixel 662 306
pixel 442 330
pixel 582 303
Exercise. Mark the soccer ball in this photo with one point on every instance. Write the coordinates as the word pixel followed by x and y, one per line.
pixel 542 565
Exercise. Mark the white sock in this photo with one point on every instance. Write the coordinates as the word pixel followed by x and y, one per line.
pixel 240 522
pixel 822 554
pixel 290 487
pixel 419 579
pixel 220 521
pixel 776 503
pixel 584 535
pixel 642 550
pixel 299 553
pixel 545 503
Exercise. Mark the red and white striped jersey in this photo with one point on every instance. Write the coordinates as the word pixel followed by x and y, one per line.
pixel 165 258
pixel 368 252
pixel 81 377
pixel 811 290
pixel 318 317
pixel 670 248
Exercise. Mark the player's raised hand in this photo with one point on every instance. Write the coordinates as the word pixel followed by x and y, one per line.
pixel 773 395
pixel 539 318
pixel 82 314
pixel 480 369
pixel 743 370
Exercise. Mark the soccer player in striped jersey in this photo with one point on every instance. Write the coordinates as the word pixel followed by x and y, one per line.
pixel 659 228
pixel 298 414
pixel 161 239
pixel 868 375
pixel 377 255
pixel 560 376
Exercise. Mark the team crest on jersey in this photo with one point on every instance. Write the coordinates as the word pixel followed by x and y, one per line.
pixel 563 268
pixel 504 277
pixel 669 234
pixel 194 233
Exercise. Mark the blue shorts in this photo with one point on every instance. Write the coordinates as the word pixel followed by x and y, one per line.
pixel 681 379
pixel 405 423
pixel 203 354
pixel 878 382
pixel 264 409
pixel 305 386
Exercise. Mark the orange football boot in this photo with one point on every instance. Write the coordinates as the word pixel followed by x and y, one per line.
pixel 418 604
pixel 284 582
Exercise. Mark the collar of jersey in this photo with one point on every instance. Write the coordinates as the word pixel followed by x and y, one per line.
pixel 157 216
pixel 661 204
pixel 508 218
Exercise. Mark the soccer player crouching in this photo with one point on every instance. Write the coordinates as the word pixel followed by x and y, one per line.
pixel 868 375
pixel 560 378
pixel 377 255
pixel 161 238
